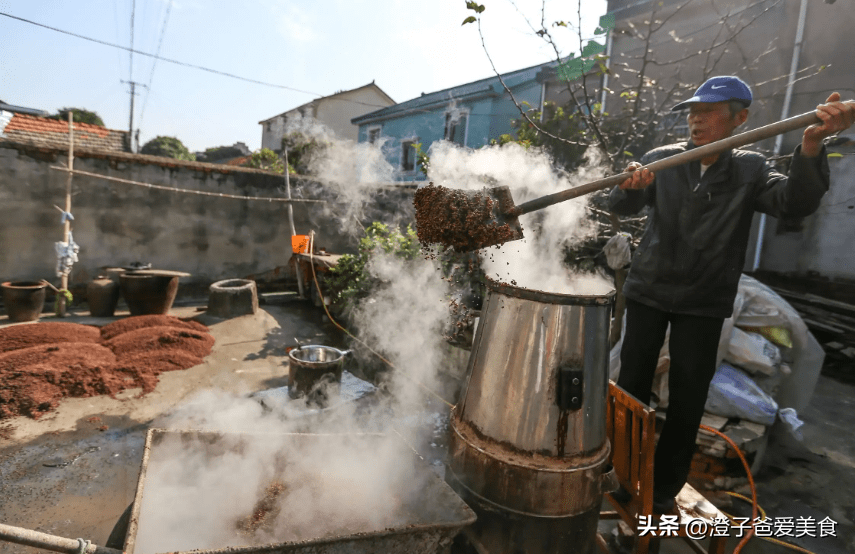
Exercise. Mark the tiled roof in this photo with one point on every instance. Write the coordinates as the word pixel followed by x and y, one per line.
pixel 59 151
pixel 52 132
pixel 239 161
pixel 490 86
pixel 20 109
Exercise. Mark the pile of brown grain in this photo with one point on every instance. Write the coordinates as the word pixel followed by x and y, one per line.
pixel 42 363
pixel 458 219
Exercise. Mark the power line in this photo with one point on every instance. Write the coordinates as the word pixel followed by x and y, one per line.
pixel 215 71
pixel 154 63
pixel 131 49
pixel 177 62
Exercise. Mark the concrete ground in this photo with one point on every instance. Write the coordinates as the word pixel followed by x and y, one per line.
pixel 813 478
pixel 62 475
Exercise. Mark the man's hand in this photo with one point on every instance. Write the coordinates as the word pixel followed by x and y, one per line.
pixel 640 179
pixel 836 116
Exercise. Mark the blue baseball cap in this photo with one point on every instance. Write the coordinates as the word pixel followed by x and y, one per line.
pixel 719 89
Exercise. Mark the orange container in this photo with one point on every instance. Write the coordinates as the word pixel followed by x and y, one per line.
pixel 300 244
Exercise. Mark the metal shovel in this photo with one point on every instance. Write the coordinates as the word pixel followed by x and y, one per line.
pixel 504 214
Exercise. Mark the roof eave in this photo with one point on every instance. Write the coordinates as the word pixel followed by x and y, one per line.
pixel 370 118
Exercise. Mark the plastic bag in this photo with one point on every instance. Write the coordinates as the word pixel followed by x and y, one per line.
pixel 734 394
pixel 752 352
pixel 792 421
pixel 756 305
pixel 617 251
pixel 778 335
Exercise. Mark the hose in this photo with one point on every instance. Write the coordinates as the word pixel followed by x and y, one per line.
pixel 755 507
pixel 739 453
pixel 763 515
pixel 363 343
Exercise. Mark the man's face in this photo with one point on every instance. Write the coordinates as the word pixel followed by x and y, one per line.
pixel 709 122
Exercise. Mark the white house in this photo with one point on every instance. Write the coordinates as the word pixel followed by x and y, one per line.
pixel 334 111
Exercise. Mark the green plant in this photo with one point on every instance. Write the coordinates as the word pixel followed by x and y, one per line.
pixel 266 159
pixel 168 147
pixel 350 281
pixel 422 159
pixel 80 116
pixel 301 149
pixel 69 298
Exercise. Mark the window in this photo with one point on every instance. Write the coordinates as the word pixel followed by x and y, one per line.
pixel 373 135
pixel 408 155
pixel 455 127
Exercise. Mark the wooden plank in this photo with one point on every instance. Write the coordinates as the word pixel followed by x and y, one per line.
pixel 849 308
pixel 823 326
pixel 715 421
pixel 159 273
pixel 635 450
pixel 648 436
pixel 621 456
pixel 610 418
pixel 825 316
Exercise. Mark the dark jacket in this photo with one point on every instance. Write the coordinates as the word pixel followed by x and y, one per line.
pixel 693 249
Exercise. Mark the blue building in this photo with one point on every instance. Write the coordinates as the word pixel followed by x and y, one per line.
pixel 469 115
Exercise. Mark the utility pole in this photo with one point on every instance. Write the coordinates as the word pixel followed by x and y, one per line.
pixel 131 122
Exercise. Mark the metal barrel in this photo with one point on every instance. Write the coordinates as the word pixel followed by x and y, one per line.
pixel 528 446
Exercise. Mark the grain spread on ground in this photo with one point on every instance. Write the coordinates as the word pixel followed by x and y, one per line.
pixel 42 363
pixel 133 323
pixel 458 219
pixel 49 332
pixel 264 512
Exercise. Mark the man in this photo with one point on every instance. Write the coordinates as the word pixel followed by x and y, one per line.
pixel 685 271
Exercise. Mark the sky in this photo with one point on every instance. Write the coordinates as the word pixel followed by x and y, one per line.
pixel 316 47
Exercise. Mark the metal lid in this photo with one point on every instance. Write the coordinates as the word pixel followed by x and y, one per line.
pixel 551 297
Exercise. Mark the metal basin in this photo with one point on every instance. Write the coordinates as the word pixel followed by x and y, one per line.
pixel 312 368
pixel 176 487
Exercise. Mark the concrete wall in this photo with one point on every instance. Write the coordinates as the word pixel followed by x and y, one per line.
pixel 117 224
pixel 761 54
pixel 825 244
pixel 337 111
pixel 273 129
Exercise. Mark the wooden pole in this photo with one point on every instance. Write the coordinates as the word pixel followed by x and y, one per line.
pixel 61 303
pixel 291 223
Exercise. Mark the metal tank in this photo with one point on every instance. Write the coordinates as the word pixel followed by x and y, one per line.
pixel 528 439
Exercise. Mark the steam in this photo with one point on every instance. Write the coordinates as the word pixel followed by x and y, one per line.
pixel 341 484
pixel 537 261
pixel 337 480
pixel 352 170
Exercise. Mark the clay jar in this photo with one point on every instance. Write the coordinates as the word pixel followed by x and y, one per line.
pixel 148 294
pixel 24 300
pixel 103 295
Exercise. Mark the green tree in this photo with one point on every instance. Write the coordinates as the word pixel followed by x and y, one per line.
pixel 266 159
pixel 168 147
pixel 564 135
pixel 302 148
pixel 79 116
